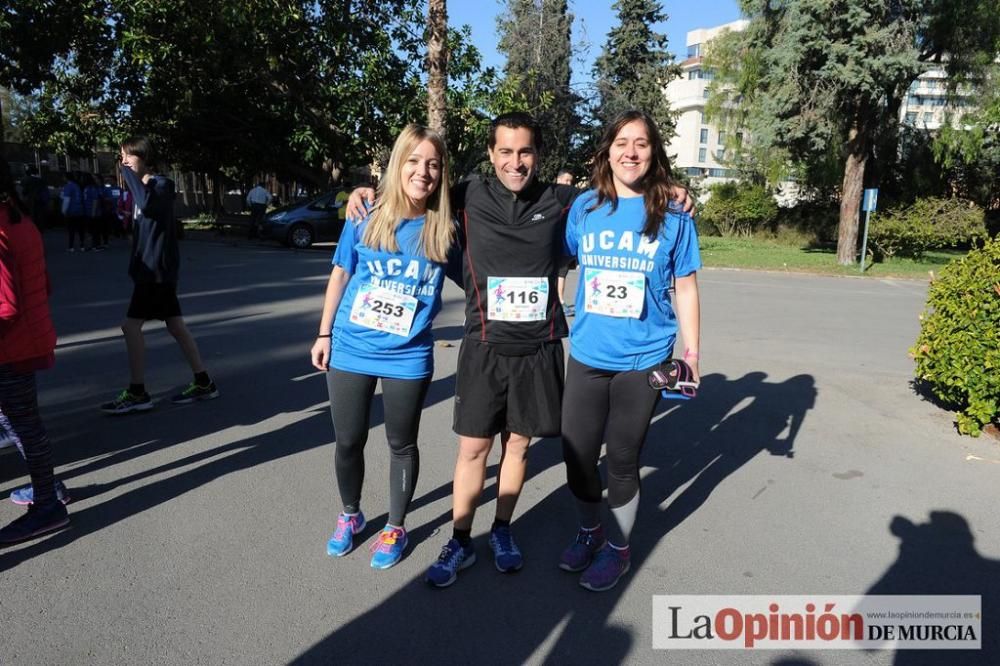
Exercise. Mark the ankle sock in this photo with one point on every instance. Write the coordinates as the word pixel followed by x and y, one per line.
pixel 463 537
pixel 137 389
pixel 202 378
pixel 497 522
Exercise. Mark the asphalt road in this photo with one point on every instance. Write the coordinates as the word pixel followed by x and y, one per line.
pixel 806 466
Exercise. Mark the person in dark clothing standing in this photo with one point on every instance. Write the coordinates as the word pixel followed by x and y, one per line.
pixel 72 211
pixel 153 267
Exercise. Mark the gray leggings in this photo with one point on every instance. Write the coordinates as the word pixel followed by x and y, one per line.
pixel 350 406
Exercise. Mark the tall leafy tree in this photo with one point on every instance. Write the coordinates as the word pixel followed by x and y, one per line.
pixel 300 87
pixel 535 35
pixel 635 66
pixel 821 81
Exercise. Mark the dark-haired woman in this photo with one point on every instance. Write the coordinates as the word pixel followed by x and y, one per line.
pixel 27 343
pixel 630 245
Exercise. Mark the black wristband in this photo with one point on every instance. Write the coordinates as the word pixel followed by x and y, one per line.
pixel 328 335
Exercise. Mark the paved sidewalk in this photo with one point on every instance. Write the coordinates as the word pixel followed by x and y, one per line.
pixel 806 466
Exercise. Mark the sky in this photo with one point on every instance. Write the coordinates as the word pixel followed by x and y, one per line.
pixel 593 20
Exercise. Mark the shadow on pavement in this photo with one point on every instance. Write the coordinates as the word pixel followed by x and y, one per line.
pixel 492 618
pixel 264 413
pixel 939 557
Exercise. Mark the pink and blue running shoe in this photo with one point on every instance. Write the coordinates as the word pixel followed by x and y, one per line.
pixel 388 547
pixel 342 541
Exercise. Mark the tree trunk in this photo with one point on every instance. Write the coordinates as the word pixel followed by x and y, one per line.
pixel 217 193
pixel 850 198
pixel 437 64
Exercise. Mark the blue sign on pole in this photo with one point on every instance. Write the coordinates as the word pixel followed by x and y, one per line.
pixel 871 198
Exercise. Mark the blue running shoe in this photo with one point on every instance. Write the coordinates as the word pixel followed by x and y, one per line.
pixel 579 554
pixel 26 494
pixel 506 554
pixel 609 565
pixel 388 547
pixel 342 541
pixel 453 558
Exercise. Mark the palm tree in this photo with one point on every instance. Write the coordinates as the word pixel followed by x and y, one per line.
pixel 437 64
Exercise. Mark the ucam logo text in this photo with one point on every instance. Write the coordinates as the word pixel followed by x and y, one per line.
pixel 626 241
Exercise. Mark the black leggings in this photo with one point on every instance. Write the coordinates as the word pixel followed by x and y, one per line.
pixel 599 403
pixel 19 404
pixel 350 406
pixel 76 225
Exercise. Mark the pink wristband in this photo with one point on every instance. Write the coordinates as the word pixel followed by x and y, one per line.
pixel 690 354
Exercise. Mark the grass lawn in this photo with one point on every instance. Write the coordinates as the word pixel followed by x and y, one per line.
pixel 751 253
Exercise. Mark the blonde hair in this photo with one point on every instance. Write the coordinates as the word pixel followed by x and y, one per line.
pixel 392 204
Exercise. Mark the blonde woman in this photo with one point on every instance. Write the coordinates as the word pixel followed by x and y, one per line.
pixel 383 294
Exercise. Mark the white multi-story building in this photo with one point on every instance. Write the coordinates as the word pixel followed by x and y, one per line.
pixel 926 103
pixel 699 147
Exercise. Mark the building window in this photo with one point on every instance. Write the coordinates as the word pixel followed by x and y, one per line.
pixel 911 117
pixel 705 93
pixel 720 154
pixel 722 138
pixel 928 116
pixel 704 136
pixel 692 75
pixel 739 138
pixel 692 171
pixel 701 153
pixel 702 116
pixel 694 50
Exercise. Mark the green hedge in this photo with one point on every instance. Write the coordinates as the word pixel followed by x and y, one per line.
pixel 927 224
pixel 737 209
pixel 958 349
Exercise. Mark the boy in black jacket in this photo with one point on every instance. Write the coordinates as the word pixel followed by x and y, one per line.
pixel 153 267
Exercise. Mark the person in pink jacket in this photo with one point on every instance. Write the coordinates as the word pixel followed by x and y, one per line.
pixel 27 344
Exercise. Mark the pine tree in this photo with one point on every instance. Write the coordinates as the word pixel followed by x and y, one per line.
pixel 821 82
pixel 635 66
pixel 535 35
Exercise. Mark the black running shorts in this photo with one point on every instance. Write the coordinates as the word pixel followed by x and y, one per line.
pixel 154 301
pixel 502 389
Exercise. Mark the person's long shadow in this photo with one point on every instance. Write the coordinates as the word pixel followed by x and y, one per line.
pixel 491 618
pixel 239 453
pixel 939 557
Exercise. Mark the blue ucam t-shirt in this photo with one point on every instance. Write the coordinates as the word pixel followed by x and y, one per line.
pixel 624 318
pixel 383 322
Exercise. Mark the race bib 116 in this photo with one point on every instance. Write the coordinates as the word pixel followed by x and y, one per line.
pixel 517 298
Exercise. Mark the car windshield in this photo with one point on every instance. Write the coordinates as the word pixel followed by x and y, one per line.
pixel 322 202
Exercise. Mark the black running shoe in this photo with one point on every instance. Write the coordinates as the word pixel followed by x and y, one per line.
pixel 195 391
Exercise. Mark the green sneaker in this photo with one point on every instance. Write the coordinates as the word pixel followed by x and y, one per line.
pixel 194 392
pixel 128 402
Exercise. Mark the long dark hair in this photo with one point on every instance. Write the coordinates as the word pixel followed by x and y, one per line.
pixel 8 193
pixel 655 185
